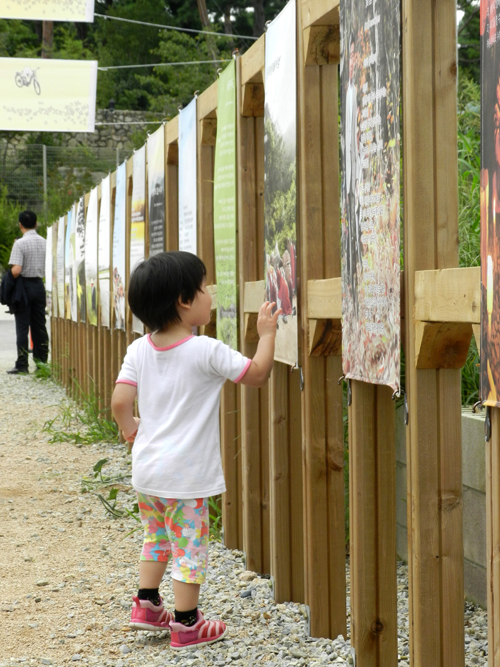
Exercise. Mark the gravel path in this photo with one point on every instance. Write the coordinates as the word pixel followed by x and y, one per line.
pixel 72 569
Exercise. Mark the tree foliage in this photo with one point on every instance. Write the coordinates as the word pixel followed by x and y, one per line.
pixel 114 43
pixel 280 191
pixel 468 39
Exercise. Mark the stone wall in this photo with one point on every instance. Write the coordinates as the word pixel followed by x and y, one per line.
pixel 116 131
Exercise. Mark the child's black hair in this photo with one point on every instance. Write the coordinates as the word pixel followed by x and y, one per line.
pixel 157 284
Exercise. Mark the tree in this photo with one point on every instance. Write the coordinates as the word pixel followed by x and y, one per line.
pixel 468 39
pixel 118 43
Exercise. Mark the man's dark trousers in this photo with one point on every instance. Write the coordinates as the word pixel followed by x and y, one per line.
pixel 32 316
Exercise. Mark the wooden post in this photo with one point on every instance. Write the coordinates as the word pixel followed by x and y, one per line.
pixel 254 403
pixel 431 242
pixel 285 474
pixel 372 513
pixel 47 39
pixel 322 423
pixel 114 333
pixel 229 418
pixel 493 538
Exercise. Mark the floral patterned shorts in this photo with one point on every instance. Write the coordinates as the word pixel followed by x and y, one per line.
pixel 177 527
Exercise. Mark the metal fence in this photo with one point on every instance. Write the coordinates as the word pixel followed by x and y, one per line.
pixel 35 175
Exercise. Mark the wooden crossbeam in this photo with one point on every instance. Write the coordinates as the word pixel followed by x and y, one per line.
pixel 324 299
pixel 443 295
pixel 322 45
pixel 252 63
pixel 252 99
pixel 172 131
pixel 208 130
pixel 448 295
pixel 320 12
pixel 442 344
pixel 207 102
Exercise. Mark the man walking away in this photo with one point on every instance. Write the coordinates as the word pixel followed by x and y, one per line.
pixel 28 261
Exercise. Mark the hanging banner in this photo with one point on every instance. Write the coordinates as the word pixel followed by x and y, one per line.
pixel 48 270
pixel 53 250
pixel 68 270
pixel 73 266
pixel 119 248
pixel 490 204
pixel 104 251
pixel 138 218
pixel 156 191
pixel 225 209
pixel 91 243
pixel 80 11
pixel 61 283
pixel 80 259
pixel 45 95
pixel 370 193
pixel 280 174
pixel 187 178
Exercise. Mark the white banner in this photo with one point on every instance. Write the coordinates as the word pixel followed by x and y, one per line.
pixel 280 174
pixel 80 11
pixel 73 301
pixel 54 270
pixel 91 258
pixel 119 278
pixel 187 178
pixel 68 268
pixel 48 269
pixel 80 259
pixel 104 250
pixel 60 267
pixel 156 191
pixel 138 217
pixel 44 95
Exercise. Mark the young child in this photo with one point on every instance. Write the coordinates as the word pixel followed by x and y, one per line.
pixel 176 462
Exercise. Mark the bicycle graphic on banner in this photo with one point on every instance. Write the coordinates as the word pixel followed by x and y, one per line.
pixel 27 76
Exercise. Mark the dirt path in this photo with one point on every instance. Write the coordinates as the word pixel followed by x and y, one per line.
pixel 71 571
pixel 57 598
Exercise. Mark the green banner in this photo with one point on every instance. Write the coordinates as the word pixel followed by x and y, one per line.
pixel 225 210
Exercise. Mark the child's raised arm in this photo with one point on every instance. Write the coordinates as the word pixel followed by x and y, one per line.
pixel 258 372
pixel 122 406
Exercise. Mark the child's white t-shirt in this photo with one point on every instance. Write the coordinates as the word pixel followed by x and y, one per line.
pixel 176 453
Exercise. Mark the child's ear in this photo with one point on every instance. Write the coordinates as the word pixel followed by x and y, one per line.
pixel 182 304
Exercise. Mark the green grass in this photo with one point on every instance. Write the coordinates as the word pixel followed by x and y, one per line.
pixel 82 424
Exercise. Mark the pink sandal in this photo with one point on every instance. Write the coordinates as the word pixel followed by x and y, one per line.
pixel 202 632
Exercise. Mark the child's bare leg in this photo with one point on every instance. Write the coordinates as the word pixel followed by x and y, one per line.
pixel 186 595
pixel 151 573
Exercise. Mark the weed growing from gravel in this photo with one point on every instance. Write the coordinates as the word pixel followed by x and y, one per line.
pixel 45 371
pixel 215 516
pixel 84 424
pixel 101 481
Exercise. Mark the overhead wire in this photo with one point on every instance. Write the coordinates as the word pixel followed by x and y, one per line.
pixel 171 27
pixel 190 62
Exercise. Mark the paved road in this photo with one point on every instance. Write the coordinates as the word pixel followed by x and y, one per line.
pixel 7 340
pixel 8 352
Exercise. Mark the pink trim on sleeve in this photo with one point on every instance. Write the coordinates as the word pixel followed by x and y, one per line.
pixel 243 372
pixel 134 384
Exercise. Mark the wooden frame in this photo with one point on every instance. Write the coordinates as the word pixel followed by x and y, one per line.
pixel 283 447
